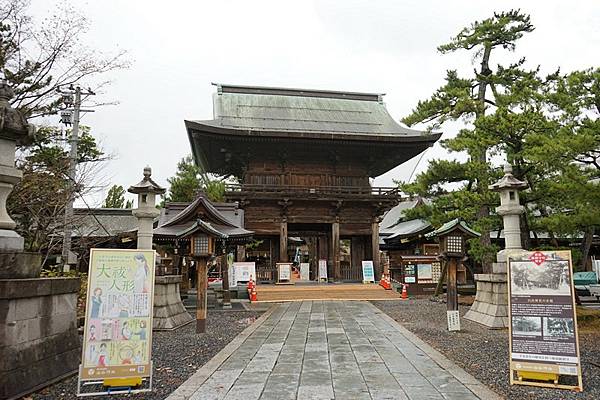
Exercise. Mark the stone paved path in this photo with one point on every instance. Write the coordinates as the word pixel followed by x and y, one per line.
pixel 329 350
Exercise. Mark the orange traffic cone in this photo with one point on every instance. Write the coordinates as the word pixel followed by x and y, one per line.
pixel 404 292
pixel 388 283
pixel 250 286
pixel 253 294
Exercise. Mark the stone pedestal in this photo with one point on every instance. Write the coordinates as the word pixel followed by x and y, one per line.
pixel 491 302
pixel 169 311
pixel 39 343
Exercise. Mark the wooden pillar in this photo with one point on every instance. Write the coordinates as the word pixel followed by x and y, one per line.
pixel 241 253
pixel 283 240
pixel 335 248
pixel 225 277
pixel 375 247
pixel 451 290
pixel 201 299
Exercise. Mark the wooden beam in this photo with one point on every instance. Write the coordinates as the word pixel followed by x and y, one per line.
pixel 375 247
pixel 335 248
pixel 201 298
pixel 283 240
pixel 451 289
pixel 225 277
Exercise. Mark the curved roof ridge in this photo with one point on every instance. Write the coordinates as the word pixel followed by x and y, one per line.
pixel 189 211
pixel 286 91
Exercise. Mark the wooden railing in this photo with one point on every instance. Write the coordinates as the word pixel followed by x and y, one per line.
pixel 312 190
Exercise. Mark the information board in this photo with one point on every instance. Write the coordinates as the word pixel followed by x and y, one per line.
pixel 117 339
pixel 409 273
pixel 305 271
pixel 543 323
pixel 453 320
pixel 368 271
pixel 241 272
pixel 322 270
pixel 284 272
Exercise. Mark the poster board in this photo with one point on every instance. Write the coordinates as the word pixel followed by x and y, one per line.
pixel 284 272
pixel 304 271
pixel 409 273
pixel 241 272
pixel 543 337
pixel 424 272
pixel 322 270
pixel 368 272
pixel 117 339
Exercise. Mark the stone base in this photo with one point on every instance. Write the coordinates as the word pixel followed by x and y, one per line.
pixel 169 311
pixel 39 342
pixel 491 301
pixel 11 241
pixel 20 265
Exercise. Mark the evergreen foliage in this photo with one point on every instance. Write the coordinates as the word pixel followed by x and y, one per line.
pixel 189 179
pixel 115 198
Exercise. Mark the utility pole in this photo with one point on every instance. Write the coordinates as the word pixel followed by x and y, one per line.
pixel 72 172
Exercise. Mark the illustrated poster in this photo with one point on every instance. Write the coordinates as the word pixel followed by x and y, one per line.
pixel 543 324
pixel 117 340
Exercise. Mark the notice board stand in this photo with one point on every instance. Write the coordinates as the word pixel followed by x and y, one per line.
pixel 543 280
pixel 122 388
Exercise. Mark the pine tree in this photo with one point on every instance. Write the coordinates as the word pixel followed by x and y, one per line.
pixel 468 99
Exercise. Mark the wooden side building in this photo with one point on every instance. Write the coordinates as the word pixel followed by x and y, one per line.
pixel 303 160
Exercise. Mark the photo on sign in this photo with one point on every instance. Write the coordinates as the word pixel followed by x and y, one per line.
pixel 527 326
pixel 550 278
pixel 558 327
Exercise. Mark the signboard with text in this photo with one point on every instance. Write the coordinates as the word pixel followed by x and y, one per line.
pixel 117 338
pixel 368 271
pixel 543 323
pixel 322 270
pixel 241 272
pixel 304 271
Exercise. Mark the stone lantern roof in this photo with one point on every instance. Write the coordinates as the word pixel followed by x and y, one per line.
pixel 508 181
pixel 146 185
pixel 13 125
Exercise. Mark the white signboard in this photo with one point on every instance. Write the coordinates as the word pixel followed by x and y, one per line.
pixel 368 271
pixel 323 270
pixel 304 271
pixel 453 321
pixel 284 271
pixel 241 272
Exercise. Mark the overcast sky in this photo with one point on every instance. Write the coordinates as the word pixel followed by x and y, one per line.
pixel 178 48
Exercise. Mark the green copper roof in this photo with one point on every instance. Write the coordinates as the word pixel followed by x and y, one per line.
pixel 451 225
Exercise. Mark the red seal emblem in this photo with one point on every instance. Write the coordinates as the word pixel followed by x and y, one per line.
pixel 538 257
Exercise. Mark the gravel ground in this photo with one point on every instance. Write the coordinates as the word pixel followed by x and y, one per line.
pixel 176 354
pixel 484 353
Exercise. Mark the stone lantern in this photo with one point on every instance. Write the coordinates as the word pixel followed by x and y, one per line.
pixel 13 130
pixel 510 209
pixel 146 212
pixel 39 342
pixel 169 311
pixel 490 307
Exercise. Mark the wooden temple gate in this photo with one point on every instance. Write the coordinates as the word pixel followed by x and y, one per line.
pixel 303 159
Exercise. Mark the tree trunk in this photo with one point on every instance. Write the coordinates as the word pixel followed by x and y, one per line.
pixel 586 244
pixel 481 156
